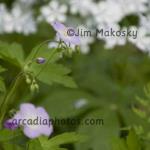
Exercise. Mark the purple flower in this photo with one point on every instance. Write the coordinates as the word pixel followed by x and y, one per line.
pixel 35 121
pixel 40 60
pixel 10 125
pixel 68 35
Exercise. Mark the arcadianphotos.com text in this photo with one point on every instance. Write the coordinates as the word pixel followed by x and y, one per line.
pixel 56 121
pixel 103 33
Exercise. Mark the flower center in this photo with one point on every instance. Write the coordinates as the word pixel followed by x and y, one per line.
pixel 64 32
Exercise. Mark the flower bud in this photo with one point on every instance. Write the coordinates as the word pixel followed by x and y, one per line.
pixel 12 113
pixel 26 68
pixel 78 49
pixel 40 60
pixel 36 86
pixel 32 88
pixel 28 80
pixel 8 124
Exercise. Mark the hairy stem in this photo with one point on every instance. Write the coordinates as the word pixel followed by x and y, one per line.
pixel 7 98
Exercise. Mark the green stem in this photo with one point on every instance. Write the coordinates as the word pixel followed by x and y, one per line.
pixel 51 56
pixel 8 96
pixel 7 99
pixel 45 64
pixel 38 48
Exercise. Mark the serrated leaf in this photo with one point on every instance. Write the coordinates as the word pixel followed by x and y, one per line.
pixel 37 145
pixel 12 53
pixel 133 141
pixel 49 72
pixel 53 73
pixel 65 138
pixel 42 143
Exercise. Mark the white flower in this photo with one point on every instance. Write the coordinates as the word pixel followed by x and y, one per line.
pixel 108 12
pixel 145 22
pixel 133 6
pixel 18 20
pixel 85 44
pixel 8 24
pixel 54 12
pixel 112 41
pixel 143 40
pixel 83 7
pixel 22 20
pixel 85 41
pixel 3 13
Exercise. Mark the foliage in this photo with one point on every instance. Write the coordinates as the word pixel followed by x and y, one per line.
pixel 109 81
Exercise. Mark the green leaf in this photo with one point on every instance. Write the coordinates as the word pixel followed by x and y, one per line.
pixel 43 143
pixel 65 138
pixel 7 146
pixel 2 69
pixel 58 148
pixel 49 72
pixel 53 73
pixel 133 141
pixel 119 144
pixel 35 145
pixel 140 113
pixel 2 85
pixel 6 135
pixel 54 103
pixel 12 53
pixel 15 137
pixel 100 136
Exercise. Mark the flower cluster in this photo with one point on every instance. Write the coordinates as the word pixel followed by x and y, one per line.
pixel 20 19
pixel 54 11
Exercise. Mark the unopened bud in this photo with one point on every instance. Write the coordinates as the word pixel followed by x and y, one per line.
pixel 40 60
pixel 36 86
pixel 26 68
pixel 28 80
pixel 32 88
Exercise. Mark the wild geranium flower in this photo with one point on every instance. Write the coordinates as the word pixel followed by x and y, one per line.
pixel 35 121
pixel 66 34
